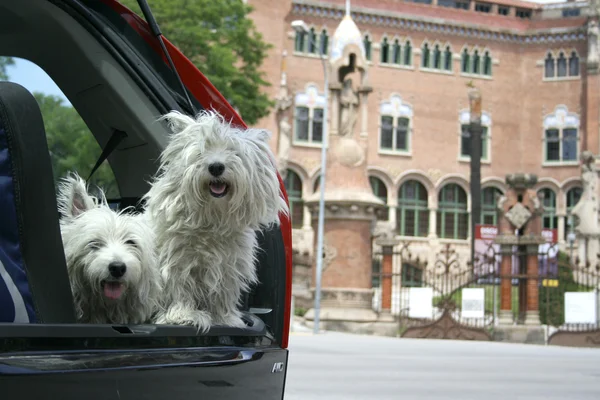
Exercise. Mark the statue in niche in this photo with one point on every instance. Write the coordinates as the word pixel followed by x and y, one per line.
pixel 585 212
pixel 349 106
pixel 593 32
pixel 283 151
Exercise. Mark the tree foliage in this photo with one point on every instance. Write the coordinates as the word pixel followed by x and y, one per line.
pixel 223 43
pixel 72 146
pixel 5 62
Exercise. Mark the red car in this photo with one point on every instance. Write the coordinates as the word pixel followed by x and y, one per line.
pixel 114 71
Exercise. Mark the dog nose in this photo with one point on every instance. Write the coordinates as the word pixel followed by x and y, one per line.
pixel 117 269
pixel 216 169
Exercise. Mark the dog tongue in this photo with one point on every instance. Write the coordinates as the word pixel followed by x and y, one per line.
pixel 217 187
pixel 113 290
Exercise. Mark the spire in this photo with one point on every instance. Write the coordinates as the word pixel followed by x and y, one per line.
pixel 347 7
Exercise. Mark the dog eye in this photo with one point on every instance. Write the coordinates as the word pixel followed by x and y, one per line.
pixel 94 245
pixel 131 243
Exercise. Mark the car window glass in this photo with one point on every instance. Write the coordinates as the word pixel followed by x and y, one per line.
pixel 71 144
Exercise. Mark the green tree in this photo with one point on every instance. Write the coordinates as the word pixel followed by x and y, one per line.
pixel 222 41
pixel 5 62
pixel 72 146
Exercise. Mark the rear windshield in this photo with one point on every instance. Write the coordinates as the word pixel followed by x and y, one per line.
pixel 143 50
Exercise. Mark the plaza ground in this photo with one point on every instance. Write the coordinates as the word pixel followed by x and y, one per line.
pixel 340 366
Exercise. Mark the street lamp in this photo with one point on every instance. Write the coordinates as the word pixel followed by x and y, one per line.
pixel 301 27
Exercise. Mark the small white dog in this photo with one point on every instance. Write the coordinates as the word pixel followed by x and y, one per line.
pixel 110 258
pixel 217 184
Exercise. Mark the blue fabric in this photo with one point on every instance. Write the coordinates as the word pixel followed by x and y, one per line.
pixel 16 301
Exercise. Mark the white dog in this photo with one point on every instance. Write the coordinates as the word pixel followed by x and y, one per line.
pixel 110 258
pixel 217 184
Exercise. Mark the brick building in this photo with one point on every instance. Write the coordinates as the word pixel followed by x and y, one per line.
pixel 536 66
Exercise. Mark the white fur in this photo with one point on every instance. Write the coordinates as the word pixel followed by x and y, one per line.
pixel 207 245
pixel 93 237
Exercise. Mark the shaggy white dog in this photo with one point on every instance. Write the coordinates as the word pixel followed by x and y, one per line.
pixel 217 184
pixel 110 258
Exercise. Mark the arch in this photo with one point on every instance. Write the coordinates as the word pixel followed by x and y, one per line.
pixel 562 66
pixel 396 56
pixel 295 188
pixel 495 181
pixel 465 61
pixel 407 55
pixel 414 174
pixel 448 57
pixel 570 183
pixel 547 182
pixel 426 49
pixel 549 65
pixel 574 62
pixel 459 179
pixel 298 169
pixel 550 204
pixel 382 174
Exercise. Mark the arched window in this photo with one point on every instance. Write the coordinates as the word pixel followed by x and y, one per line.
pixel 476 63
pixel 300 42
pixel 293 187
pixel 549 218
pixel 452 215
pixel 312 41
pixel 385 51
pixel 437 57
pixel 412 214
pixel 425 56
pixel 488 206
pixel 324 42
pixel 380 190
pixel 487 64
pixel 574 64
pixel 448 59
pixel 561 136
pixel 573 196
pixel 549 66
pixel 561 65
pixel 407 53
pixel 396 53
pixel 465 62
pixel 368 47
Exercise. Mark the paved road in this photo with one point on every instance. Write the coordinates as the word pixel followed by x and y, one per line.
pixel 336 366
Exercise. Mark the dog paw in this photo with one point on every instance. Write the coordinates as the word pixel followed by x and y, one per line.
pixel 177 316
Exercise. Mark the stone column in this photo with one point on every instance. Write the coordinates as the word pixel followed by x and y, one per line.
pixel 334 120
pixel 387 269
pixel 505 316
pixel 561 228
pixel 432 223
pixel 393 216
pixel 532 314
pixel 363 93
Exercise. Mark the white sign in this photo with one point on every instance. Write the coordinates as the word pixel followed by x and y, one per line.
pixel 473 303
pixel 420 303
pixel 580 308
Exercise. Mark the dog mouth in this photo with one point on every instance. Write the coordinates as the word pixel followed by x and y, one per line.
pixel 112 289
pixel 218 188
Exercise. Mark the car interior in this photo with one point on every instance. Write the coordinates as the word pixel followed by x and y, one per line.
pixel 110 91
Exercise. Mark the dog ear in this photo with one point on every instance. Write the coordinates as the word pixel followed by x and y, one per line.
pixel 73 198
pixel 177 121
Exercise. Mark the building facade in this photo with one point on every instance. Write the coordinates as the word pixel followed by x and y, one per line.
pixel 536 67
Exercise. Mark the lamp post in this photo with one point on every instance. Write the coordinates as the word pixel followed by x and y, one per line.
pixel 301 27
pixel 475 131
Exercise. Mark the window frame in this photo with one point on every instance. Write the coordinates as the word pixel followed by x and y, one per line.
pixel 561 119
pixel 554 55
pixel 455 209
pixel 549 212
pixel 313 100
pixel 417 205
pixel 488 210
pixel 570 197
pixel 294 201
pixel 486 122
pixel 396 109
pixel 377 183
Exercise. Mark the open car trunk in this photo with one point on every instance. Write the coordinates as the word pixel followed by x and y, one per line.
pixel 106 62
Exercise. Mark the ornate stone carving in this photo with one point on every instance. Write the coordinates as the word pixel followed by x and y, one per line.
pixel 283 151
pixel 350 153
pixel 593 58
pixel 518 215
pixel 329 254
pixel 348 105
pixel 585 212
